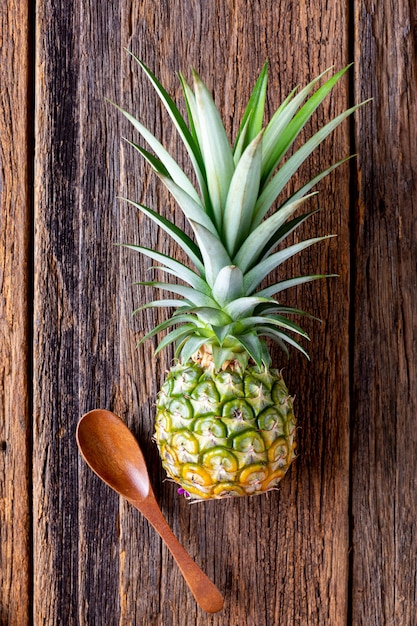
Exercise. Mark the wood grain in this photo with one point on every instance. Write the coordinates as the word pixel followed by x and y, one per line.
pixel 76 282
pixel 337 544
pixel 384 440
pixel 15 228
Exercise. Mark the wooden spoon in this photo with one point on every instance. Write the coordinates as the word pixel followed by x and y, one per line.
pixel 112 452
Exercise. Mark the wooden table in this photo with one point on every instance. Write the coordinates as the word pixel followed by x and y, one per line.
pixel 337 544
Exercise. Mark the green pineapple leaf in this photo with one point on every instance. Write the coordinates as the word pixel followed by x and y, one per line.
pixel 171 322
pixel 254 347
pixel 283 285
pixel 185 243
pixel 153 161
pixel 314 181
pixel 167 303
pixel 241 144
pixel 217 153
pixel 190 144
pixel 252 322
pixel 243 307
pixel 180 333
pixel 252 120
pixel 214 253
pixel 281 178
pixel 283 232
pixel 214 317
pixel 283 129
pixel 253 246
pixel 242 195
pixel 195 297
pixel 280 310
pixel 190 346
pixel 170 165
pixel 220 355
pixel 221 332
pixel 281 338
pixel 189 98
pixel 255 276
pixel 192 210
pixel 177 269
pixel 228 285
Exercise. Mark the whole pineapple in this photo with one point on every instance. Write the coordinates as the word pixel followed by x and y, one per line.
pixel 225 424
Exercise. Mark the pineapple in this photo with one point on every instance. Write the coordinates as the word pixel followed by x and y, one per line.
pixel 225 424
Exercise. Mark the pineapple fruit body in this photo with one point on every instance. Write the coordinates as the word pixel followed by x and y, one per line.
pixel 225 433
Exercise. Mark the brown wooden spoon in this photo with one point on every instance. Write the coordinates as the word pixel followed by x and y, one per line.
pixel 112 452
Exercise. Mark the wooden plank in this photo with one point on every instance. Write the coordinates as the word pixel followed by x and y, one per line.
pixel 100 47
pixel 282 558
pixel 76 363
pixel 15 229
pixel 56 377
pixel 384 449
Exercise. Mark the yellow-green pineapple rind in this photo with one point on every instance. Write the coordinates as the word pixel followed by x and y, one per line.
pixel 225 433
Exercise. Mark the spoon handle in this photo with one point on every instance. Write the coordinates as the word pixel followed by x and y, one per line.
pixel 204 591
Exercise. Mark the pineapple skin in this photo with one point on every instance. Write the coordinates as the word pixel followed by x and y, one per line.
pixel 225 433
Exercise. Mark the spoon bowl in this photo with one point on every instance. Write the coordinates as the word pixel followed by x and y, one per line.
pixel 105 441
pixel 112 452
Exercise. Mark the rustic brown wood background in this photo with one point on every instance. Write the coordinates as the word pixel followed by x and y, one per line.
pixel 337 545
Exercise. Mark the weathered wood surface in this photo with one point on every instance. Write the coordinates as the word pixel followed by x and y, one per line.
pixel 15 289
pixel 337 544
pixel 384 374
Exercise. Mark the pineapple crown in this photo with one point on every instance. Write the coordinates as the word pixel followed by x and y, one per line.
pixel 220 306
